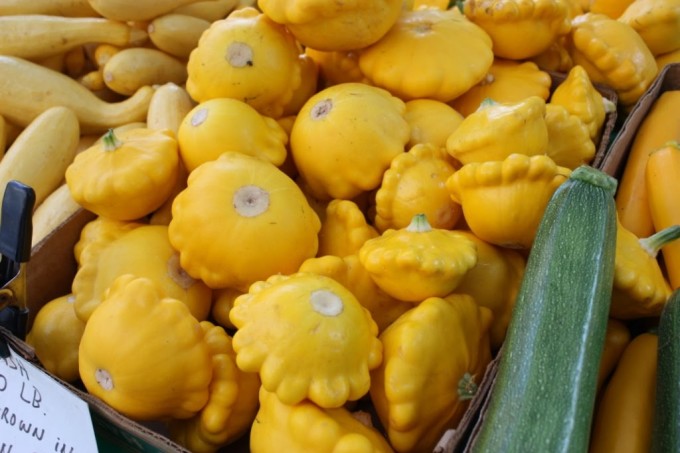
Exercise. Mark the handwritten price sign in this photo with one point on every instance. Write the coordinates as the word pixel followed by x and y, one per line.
pixel 38 414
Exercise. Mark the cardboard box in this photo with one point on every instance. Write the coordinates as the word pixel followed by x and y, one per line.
pixel 49 275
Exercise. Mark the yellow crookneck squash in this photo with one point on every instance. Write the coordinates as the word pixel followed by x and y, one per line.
pixel 435 357
pixel 430 37
pixel 617 337
pixel 232 404
pixel 249 57
pixel 305 427
pixel 144 251
pixel 503 201
pixel 623 421
pixel 240 220
pixel 307 337
pixel 127 175
pixel 144 355
pixel 418 261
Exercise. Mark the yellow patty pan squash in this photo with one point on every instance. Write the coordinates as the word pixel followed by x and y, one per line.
pixel 329 25
pixel 145 355
pixel 569 142
pixel 435 356
pixel 144 251
pixel 414 184
pixel 493 283
pixel 307 337
pixel 249 57
pixel 349 272
pixel 240 220
pixel 495 130
pixel 431 121
pixel 345 137
pixel 507 81
pixel 97 233
pixel 555 58
pixel 336 66
pixel 610 8
pixel 613 54
pixel 451 55
pixel 163 214
pixel 579 96
pixel 223 301
pixel 231 406
pixel 667 58
pixel 55 336
pixel 640 286
pixel 657 22
pixel 309 84
pixel 520 29
pixel 344 229
pixel 418 261
pixel 305 427
pixel 226 124
pixel 127 175
pixel 503 201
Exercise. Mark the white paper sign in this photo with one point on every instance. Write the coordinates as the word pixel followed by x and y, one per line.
pixel 39 415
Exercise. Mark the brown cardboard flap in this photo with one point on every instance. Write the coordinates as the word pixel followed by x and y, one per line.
pixel 52 266
pixel 615 160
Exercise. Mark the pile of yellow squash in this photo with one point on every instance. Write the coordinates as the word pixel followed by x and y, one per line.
pixel 310 218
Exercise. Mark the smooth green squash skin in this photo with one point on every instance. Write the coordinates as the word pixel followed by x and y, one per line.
pixel 544 393
pixel 666 424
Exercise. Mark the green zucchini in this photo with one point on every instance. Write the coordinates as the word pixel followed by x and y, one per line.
pixel 666 424
pixel 544 394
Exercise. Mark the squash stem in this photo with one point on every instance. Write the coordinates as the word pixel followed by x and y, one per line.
pixel 111 142
pixel 419 224
pixel 486 102
pixel 655 242
pixel 595 177
pixel 467 387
